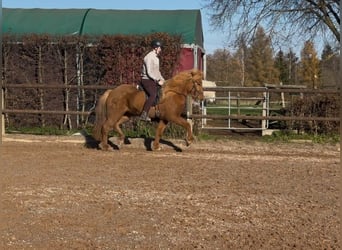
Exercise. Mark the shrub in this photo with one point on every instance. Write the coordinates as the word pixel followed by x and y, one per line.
pixel 321 105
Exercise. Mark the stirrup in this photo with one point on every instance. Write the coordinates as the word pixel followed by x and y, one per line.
pixel 144 117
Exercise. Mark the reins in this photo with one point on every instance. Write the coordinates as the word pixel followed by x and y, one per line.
pixel 174 91
pixel 193 91
pixel 194 95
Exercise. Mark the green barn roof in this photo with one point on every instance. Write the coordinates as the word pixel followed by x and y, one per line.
pixel 187 23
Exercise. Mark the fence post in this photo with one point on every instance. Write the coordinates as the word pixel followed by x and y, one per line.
pixel 204 112
pixel 264 110
pixel 2 119
pixel 282 95
pixel 189 111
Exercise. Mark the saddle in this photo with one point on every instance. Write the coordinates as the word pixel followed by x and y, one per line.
pixel 159 92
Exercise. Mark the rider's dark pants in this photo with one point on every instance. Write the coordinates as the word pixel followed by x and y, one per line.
pixel 151 90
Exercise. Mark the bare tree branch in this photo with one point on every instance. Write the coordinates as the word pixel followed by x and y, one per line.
pixel 298 18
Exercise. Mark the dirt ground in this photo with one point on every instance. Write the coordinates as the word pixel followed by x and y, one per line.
pixel 58 193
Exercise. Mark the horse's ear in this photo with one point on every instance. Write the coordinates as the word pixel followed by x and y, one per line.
pixel 196 72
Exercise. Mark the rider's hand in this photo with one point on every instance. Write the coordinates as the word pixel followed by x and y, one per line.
pixel 161 82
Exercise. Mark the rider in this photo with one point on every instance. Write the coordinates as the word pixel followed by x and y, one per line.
pixel 151 77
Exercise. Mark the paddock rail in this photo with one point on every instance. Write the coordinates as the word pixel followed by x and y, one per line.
pixel 265 116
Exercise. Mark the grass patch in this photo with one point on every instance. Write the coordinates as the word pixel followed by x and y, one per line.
pixel 41 131
pixel 208 137
pixel 288 136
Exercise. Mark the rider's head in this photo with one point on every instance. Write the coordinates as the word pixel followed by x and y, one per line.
pixel 156 44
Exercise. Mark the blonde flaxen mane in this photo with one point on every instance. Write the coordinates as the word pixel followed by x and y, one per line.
pixel 176 83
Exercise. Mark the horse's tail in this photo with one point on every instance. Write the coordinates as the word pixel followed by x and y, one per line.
pixel 101 115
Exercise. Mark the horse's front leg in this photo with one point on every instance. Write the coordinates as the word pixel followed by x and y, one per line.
pixel 189 136
pixel 159 133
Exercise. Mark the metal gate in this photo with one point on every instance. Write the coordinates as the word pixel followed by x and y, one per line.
pixel 232 103
pixel 240 107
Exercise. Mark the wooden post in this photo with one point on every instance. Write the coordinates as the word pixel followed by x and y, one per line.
pixel 204 112
pixel 189 111
pixel 2 120
pixel 282 95
pixel 264 110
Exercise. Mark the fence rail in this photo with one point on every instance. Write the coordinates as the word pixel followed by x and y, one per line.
pixel 46 112
pixel 234 97
pixel 272 90
pixel 56 86
pixel 216 89
pixel 265 116
pixel 273 118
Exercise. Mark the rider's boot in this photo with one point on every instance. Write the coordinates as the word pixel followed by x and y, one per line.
pixel 144 117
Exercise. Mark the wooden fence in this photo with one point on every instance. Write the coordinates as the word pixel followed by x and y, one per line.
pixel 191 115
pixel 267 92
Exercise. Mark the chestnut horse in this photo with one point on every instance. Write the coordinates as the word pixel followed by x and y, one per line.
pixel 117 105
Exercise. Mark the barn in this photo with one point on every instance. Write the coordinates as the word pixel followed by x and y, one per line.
pixel 75 22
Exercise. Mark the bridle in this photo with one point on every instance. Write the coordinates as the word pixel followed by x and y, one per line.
pixel 194 92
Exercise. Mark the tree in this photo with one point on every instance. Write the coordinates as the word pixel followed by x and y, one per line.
pixel 287 66
pixel 218 65
pixel 281 65
pixel 329 67
pixel 304 17
pixel 292 60
pixel 240 61
pixel 309 72
pixel 226 68
pixel 260 62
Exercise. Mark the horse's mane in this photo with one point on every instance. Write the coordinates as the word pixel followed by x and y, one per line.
pixel 179 82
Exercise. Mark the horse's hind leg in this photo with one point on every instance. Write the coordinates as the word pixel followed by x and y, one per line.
pixel 159 132
pixel 106 128
pixel 118 129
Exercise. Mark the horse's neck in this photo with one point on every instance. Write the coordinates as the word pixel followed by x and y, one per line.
pixel 176 88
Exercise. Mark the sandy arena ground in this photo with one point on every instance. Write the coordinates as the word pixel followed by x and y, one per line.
pixel 58 193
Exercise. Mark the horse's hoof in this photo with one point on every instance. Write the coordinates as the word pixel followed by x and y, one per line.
pixel 105 147
pixel 102 147
pixel 188 143
pixel 120 143
pixel 157 148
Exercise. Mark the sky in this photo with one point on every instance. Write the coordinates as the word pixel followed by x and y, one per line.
pixel 212 39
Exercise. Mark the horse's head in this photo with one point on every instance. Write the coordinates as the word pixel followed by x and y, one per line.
pixel 188 82
pixel 195 86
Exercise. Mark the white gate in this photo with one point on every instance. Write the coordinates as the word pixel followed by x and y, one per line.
pixel 233 104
